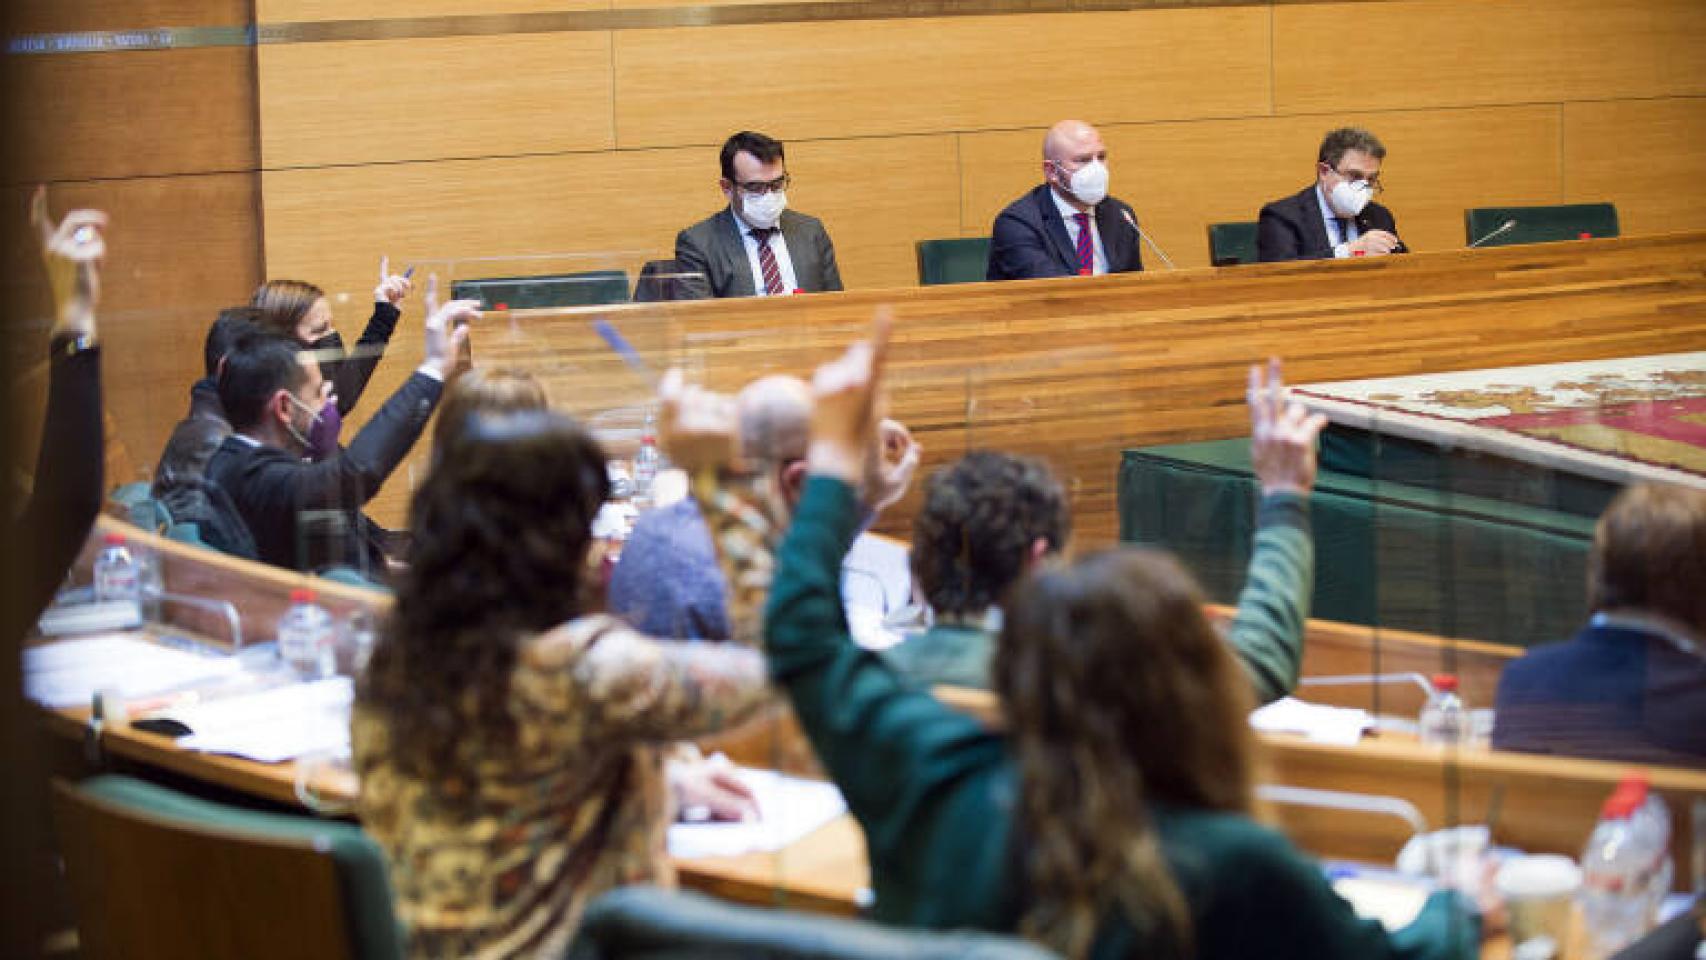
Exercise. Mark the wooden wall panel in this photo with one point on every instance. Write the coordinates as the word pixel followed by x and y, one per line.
pixel 179 249
pixel 1648 157
pixel 1438 53
pixel 1181 177
pixel 379 101
pixel 40 16
pixel 148 113
pixel 872 78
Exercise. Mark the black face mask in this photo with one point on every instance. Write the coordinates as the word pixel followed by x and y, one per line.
pixel 329 347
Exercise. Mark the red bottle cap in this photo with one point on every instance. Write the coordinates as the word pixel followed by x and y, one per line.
pixel 1085 271
pixel 113 539
pixel 1584 235
pixel 799 290
pixel 500 306
pixel 1445 682
pixel 302 595
pixel 1358 253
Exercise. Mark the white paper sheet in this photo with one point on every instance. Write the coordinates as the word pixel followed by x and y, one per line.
pixel 1318 722
pixel 275 725
pixel 789 809
pixel 67 673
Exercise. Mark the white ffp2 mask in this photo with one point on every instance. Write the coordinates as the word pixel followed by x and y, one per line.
pixel 1089 183
pixel 764 211
pixel 1349 197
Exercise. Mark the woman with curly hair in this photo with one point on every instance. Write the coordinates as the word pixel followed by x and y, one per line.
pixel 510 741
pixel 1115 817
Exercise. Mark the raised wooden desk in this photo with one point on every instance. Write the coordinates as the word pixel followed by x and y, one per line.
pixel 1078 369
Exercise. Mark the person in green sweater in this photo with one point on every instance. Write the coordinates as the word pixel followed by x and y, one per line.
pixel 1115 816
pixel 991 517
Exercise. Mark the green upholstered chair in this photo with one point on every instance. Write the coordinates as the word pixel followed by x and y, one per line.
pixel 645 923
pixel 1232 243
pixel 1566 221
pixel 154 873
pixel 954 260
pixel 587 289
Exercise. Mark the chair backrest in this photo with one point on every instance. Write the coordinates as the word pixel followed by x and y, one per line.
pixel 590 288
pixel 659 280
pixel 1568 221
pixel 954 260
pixel 155 874
pixel 1232 243
pixel 646 923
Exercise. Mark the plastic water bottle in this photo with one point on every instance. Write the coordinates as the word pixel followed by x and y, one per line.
pixel 118 578
pixel 307 637
pixel 1443 718
pixel 360 635
pixel 1626 868
pixel 646 463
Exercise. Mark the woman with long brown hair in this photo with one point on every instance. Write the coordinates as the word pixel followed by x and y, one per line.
pixel 301 311
pixel 1114 818
pixel 510 740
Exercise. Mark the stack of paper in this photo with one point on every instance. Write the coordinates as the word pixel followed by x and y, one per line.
pixel 68 673
pixel 274 725
pixel 789 809
pixel 1318 722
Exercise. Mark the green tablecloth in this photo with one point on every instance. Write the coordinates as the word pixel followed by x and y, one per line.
pixel 1394 555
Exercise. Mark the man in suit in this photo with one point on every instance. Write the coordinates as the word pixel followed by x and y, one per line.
pixel 755 246
pixel 1631 686
pixel 1335 216
pixel 1069 226
pixel 306 515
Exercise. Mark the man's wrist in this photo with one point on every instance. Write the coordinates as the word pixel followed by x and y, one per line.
pixel 833 460
pixel 437 370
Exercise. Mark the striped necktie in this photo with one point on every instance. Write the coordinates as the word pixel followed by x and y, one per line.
pixel 767 262
pixel 1086 244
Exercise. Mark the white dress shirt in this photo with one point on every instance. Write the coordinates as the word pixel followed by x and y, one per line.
pixel 778 246
pixel 1070 214
pixel 1340 233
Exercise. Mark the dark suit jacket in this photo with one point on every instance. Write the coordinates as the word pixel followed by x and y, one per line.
pixel 1291 229
pixel 272 489
pixel 349 372
pixel 1612 693
pixel 1030 240
pixel 715 248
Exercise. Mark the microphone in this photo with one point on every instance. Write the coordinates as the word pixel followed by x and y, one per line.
pixel 1152 245
pixel 1498 231
pixel 1364 227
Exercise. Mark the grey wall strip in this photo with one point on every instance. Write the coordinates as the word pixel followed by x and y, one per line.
pixel 568 21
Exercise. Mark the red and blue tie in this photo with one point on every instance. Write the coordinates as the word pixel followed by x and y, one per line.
pixel 767 263
pixel 1086 245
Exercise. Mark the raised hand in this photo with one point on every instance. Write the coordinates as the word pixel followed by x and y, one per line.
pixel 72 250
pixel 894 465
pixel 848 404
pixel 447 331
pixel 393 288
pixel 1282 433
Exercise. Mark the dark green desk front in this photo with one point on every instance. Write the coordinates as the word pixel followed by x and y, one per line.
pixel 1387 554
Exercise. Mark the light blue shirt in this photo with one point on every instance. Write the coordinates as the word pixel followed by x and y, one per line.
pixel 1070 215
pixel 1339 232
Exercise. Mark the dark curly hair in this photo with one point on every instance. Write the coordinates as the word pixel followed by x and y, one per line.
pixel 501 530
pixel 973 536
pixel 1119 696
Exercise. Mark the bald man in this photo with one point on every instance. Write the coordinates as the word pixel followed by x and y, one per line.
pixel 1069 226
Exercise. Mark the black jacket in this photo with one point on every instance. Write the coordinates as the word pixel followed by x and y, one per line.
pixel 1292 229
pixel 307 516
pixel 1030 240
pixel 349 371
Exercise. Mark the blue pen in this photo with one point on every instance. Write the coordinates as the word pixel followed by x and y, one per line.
pixel 624 349
pixel 409 272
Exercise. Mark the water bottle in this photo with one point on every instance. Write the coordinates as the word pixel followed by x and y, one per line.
pixel 117 576
pixel 360 635
pixel 1625 869
pixel 307 638
pixel 646 463
pixel 1443 720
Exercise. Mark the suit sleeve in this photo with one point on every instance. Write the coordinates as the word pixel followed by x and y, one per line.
pixel 826 255
pixel 695 267
pixel 1276 240
pixel 352 372
pixel 1019 251
pixel 68 487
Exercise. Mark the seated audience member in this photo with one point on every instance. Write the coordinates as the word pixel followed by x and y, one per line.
pixel 755 246
pixel 992 517
pixel 668 584
pixel 510 741
pixel 1115 816
pixel 1631 686
pixel 1069 226
pixel 1335 216
pixel 487 391
pixel 300 310
pixel 306 515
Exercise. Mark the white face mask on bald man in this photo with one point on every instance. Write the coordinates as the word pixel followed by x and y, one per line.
pixel 1089 183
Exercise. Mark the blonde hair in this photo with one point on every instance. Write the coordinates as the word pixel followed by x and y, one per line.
pixel 490 391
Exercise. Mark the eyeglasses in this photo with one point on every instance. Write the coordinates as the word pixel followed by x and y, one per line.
pixel 758 188
pixel 1357 175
